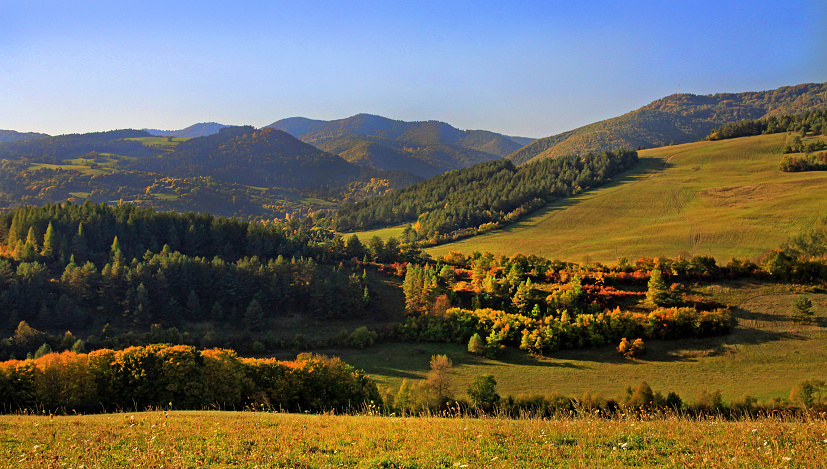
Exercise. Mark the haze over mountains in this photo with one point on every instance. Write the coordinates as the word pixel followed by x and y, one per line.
pixel 678 118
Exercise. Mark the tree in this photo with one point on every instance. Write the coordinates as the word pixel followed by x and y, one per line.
pixel 808 393
pixel 658 293
pixel 254 316
pixel 438 379
pixel 51 244
pixel 522 297
pixel 476 344
pixel 404 399
pixel 483 392
pixel 803 313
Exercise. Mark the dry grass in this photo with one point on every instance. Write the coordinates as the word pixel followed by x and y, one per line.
pixel 230 439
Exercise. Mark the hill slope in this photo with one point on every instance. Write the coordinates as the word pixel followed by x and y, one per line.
pixel 15 136
pixel 724 198
pixel 424 148
pixel 679 118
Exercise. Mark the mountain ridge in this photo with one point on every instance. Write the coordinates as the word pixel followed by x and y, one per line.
pixel 426 148
pixel 677 118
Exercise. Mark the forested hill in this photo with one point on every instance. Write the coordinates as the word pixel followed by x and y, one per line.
pixel 14 136
pixel 424 148
pixel 244 155
pixel 196 130
pixel 679 118
pixel 485 196
pixel 62 147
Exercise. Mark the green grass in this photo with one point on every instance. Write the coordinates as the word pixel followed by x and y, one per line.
pixel 764 356
pixel 384 233
pixel 82 168
pixel 236 439
pixel 724 199
pixel 163 142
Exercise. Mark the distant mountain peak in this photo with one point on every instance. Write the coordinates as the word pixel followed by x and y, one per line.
pixel 201 129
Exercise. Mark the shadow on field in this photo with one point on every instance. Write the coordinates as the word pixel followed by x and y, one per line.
pixel 646 168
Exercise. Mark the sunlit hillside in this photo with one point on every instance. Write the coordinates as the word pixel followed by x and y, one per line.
pixel 724 199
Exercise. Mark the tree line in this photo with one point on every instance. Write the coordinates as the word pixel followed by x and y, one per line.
pixel 181 377
pixel 485 195
pixel 814 121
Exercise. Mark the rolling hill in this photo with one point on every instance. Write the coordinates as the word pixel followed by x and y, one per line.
pixel 679 118
pixel 14 136
pixel 425 148
pixel 724 198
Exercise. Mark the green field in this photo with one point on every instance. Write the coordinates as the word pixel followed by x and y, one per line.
pixel 245 439
pixel 384 233
pixel 764 357
pixel 725 199
pixel 78 167
pixel 163 142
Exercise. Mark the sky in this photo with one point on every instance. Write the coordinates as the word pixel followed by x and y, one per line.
pixel 525 68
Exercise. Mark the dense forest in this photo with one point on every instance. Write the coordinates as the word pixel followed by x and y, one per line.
pixel 63 147
pixel 483 196
pixel 678 118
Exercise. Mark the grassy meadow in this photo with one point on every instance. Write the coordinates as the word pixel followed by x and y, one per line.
pixel 725 199
pixel 764 356
pixel 237 439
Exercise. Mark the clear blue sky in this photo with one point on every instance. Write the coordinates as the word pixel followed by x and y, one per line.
pixel 531 68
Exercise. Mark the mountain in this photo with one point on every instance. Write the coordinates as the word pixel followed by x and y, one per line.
pixel 14 136
pixel 424 148
pixel 678 118
pixel 202 129
pixel 263 158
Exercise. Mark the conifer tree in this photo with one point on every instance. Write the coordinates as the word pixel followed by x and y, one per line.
pixel 254 316
pixel 51 244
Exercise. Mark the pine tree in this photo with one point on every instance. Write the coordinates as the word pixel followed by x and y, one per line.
pixel 51 244
pixel 658 293
pixel 254 316
pixel 193 306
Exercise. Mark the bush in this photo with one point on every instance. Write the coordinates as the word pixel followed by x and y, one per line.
pixel 631 349
pixel 362 338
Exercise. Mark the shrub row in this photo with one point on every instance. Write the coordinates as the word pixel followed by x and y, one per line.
pixel 180 377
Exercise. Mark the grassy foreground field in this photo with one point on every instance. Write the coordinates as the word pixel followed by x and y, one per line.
pixel 232 439
pixel 765 356
pixel 725 199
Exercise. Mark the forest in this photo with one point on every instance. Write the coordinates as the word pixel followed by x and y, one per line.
pixel 483 196
pixel 813 121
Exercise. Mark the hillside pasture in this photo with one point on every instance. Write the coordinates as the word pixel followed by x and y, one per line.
pixel 723 199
